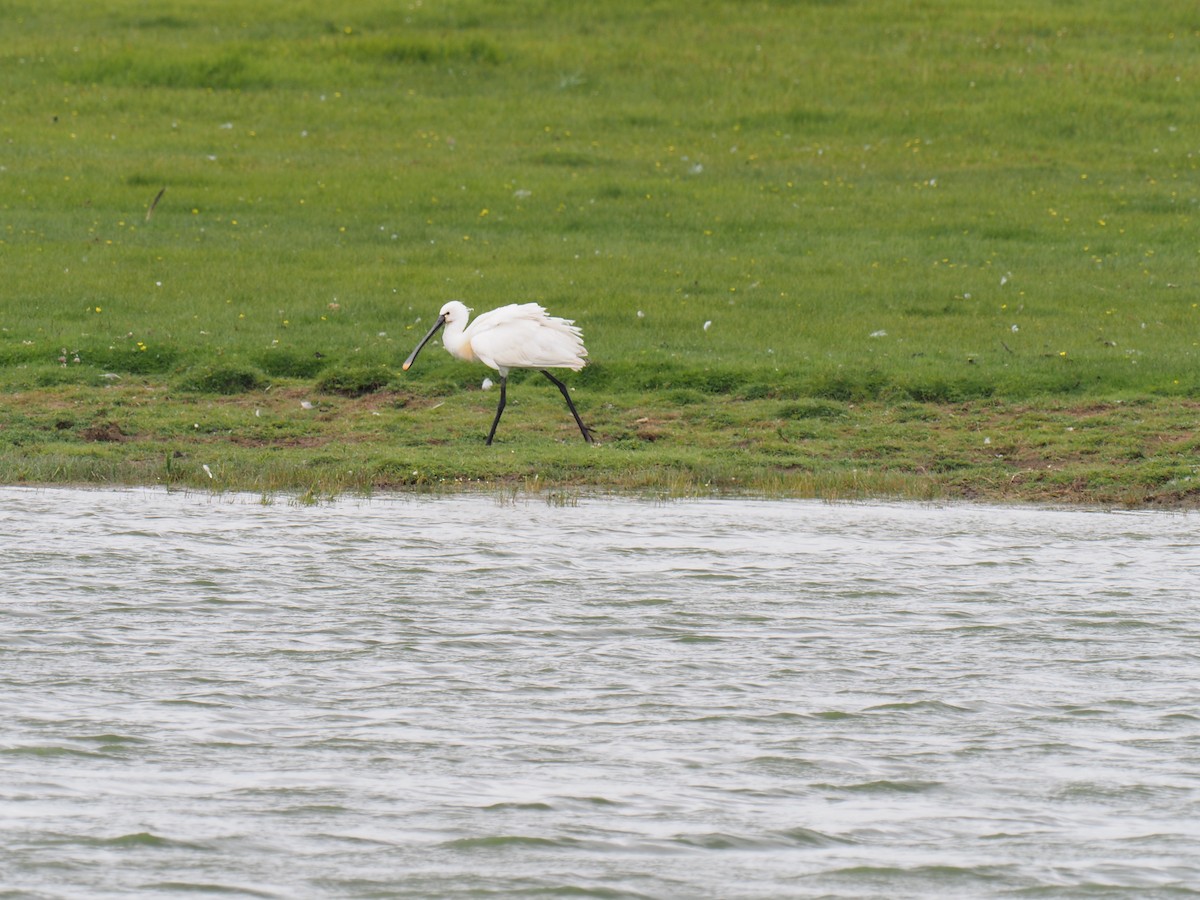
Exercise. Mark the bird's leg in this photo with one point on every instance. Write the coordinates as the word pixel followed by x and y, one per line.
pixel 499 409
pixel 587 434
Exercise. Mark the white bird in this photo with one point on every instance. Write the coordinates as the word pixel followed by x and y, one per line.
pixel 517 336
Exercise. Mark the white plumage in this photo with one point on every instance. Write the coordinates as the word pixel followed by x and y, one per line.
pixel 517 336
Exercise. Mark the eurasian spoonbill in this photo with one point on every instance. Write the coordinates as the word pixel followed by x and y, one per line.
pixel 517 336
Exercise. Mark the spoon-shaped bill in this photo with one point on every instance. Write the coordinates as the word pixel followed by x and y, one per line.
pixel 441 320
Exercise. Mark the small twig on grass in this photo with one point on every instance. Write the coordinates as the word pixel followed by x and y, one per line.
pixel 154 203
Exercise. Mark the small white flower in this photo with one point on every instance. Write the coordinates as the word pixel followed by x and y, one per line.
pixel 708 325
pixel 1016 328
pixel 641 315
pixel 878 334
pixel 487 384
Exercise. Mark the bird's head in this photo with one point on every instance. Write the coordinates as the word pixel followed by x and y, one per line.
pixel 453 313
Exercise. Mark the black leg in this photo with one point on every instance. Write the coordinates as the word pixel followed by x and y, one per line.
pixel 499 409
pixel 587 435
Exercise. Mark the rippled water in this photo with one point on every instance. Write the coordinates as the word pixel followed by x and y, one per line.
pixel 462 696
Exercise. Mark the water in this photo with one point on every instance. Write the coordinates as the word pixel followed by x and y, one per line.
pixel 412 697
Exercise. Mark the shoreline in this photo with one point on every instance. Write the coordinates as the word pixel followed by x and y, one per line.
pixel 1075 452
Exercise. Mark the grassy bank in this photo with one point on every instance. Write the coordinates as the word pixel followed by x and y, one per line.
pixel 292 438
pixel 822 249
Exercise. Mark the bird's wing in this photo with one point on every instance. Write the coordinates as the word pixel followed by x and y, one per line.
pixel 501 314
pixel 529 342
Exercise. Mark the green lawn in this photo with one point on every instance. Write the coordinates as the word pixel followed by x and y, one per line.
pixel 789 230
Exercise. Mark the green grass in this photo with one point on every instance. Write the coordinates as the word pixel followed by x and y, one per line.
pixel 896 205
